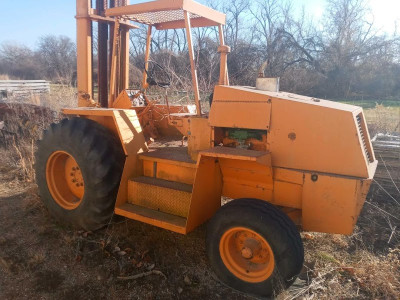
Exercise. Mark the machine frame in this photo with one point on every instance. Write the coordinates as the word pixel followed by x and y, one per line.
pixel 281 160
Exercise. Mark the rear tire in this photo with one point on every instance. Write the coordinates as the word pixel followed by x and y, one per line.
pixel 254 247
pixel 78 170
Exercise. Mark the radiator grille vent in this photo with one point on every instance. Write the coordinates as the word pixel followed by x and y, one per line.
pixel 364 137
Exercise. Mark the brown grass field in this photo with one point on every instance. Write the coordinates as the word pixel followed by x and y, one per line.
pixel 40 259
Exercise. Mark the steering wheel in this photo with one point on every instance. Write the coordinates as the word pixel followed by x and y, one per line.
pixel 153 67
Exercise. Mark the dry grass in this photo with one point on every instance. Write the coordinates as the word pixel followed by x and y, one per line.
pixel 24 125
pixel 25 120
pixel 383 119
pixel 343 267
pixel 61 96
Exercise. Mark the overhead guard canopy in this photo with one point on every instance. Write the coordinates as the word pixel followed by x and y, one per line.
pixel 169 14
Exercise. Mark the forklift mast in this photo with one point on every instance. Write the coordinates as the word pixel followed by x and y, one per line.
pixel 86 14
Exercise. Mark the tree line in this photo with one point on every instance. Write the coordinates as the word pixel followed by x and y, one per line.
pixel 344 55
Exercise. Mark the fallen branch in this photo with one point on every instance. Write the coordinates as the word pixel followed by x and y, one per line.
pixel 137 276
pixel 390 175
pixel 393 231
pixel 384 211
pixel 383 189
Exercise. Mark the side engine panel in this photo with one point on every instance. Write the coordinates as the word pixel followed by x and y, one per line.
pixel 303 133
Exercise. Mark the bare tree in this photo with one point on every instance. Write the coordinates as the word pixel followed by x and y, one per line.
pixel 349 39
pixel 342 55
pixel 18 61
pixel 57 56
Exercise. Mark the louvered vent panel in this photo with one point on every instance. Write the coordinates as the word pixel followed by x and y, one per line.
pixel 364 137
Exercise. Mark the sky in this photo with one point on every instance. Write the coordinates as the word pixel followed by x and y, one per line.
pixel 25 21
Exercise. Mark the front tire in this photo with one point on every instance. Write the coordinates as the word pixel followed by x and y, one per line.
pixel 78 171
pixel 254 247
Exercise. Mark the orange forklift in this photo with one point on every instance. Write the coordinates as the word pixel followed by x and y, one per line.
pixel 282 162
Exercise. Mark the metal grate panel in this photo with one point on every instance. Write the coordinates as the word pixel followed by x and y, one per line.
pixel 160 195
pixel 157 17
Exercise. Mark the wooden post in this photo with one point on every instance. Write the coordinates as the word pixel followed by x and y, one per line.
pixel 192 62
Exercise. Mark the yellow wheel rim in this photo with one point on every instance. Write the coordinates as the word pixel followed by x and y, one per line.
pixel 246 254
pixel 65 180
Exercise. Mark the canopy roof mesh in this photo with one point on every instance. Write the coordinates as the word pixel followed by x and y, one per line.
pixel 157 17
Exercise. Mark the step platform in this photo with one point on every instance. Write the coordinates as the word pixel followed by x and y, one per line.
pixel 158 202
pixel 152 217
pixel 160 195
pixel 169 163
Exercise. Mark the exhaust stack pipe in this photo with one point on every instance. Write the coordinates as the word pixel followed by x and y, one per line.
pixel 266 84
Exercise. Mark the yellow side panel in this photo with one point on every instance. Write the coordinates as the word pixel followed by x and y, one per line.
pixel 235 190
pixel 133 141
pixel 130 131
pixel 123 101
pixel 176 173
pixel 238 108
pixel 240 115
pixel 180 123
pixel 158 198
pixel 292 176
pixel 362 191
pixel 168 171
pixel 148 168
pixel 330 204
pixel 124 122
pixel 199 136
pixel 309 137
pixel 287 194
pixel 206 197
pixel 160 114
pixel 246 179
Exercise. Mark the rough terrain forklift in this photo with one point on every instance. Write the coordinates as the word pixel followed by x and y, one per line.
pixel 284 162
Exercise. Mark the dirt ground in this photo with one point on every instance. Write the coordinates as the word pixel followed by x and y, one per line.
pixel 40 259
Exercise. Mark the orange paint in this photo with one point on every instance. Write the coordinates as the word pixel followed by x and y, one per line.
pixel 65 180
pixel 246 254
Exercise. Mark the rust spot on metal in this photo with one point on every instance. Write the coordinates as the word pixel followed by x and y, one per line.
pixel 84 95
pixel 292 136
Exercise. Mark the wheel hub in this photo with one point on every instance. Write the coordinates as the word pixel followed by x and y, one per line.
pixel 74 177
pixel 246 254
pixel 65 180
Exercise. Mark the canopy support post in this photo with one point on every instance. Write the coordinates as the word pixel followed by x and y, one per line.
pixel 145 85
pixel 223 50
pixel 192 62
